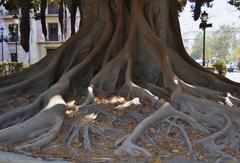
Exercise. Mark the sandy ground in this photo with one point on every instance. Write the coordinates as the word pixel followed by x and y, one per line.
pixel 166 145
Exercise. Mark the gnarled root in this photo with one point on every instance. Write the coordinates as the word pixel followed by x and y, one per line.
pixel 164 112
pixel 133 150
pixel 183 132
pixel 20 114
pixel 84 126
pixel 44 138
pixel 41 128
pixel 209 142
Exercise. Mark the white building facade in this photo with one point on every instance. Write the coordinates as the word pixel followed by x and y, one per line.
pixel 39 46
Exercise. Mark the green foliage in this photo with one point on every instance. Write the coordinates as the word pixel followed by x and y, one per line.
pixel 213 69
pixel 12 4
pixel 221 44
pixel 197 48
pixel 181 4
pixel 224 40
pixel 220 67
pixel 196 51
pixel 35 5
pixel 234 3
pixel 236 52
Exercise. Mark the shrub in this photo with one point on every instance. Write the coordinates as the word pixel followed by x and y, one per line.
pixel 7 68
pixel 211 69
pixel 220 67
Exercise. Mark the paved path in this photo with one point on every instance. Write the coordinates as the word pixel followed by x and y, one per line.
pixel 235 76
pixel 9 157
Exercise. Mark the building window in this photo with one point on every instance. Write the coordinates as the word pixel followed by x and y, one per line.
pixel 53 31
pixel 12 33
pixel 13 12
pixel 52 9
pixel 50 50
pixel 14 57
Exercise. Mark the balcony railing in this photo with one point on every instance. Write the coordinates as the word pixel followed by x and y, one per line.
pixel 53 38
pixel 52 9
pixel 8 13
pixel 13 39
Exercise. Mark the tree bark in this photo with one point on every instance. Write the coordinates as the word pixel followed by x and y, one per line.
pixel 130 47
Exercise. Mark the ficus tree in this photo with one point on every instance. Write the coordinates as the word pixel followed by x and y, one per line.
pixel 128 47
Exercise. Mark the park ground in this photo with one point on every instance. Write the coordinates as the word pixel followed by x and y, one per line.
pixel 115 119
pixel 234 76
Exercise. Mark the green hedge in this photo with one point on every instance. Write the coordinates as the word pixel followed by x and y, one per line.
pixel 7 68
pixel 220 67
pixel 213 69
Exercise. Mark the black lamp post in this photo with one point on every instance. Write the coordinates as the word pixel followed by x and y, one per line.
pixel 16 22
pixel 2 29
pixel 203 25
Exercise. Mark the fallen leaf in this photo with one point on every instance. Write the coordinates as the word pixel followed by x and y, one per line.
pixel 157 160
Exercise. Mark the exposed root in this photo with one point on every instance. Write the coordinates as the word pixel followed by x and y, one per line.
pixel 121 140
pixel 227 158
pixel 97 131
pixel 43 139
pixel 133 90
pixel 134 115
pixel 141 93
pixel 73 134
pixel 86 139
pixel 201 105
pixel 233 100
pixel 188 142
pixel 131 149
pixel 209 142
pixel 165 112
pixel 50 117
pixel 161 93
pixel 88 100
pixel 128 147
pixel 20 114
pixel 205 93
pixel 184 117
pixel 134 101
pixel 83 126
pixel 119 61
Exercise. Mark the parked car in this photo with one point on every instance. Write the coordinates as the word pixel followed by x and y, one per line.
pixel 230 68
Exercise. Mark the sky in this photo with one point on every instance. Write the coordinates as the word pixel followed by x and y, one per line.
pixel 221 13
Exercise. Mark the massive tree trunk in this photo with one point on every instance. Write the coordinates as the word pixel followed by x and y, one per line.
pixel 128 47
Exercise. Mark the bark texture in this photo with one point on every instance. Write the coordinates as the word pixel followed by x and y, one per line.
pixel 133 48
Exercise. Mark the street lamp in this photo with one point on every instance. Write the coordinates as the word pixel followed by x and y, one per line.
pixel 2 29
pixel 16 22
pixel 203 25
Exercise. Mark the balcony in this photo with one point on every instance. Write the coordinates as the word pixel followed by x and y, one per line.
pixel 52 9
pixel 6 13
pixel 53 38
pixel 13 39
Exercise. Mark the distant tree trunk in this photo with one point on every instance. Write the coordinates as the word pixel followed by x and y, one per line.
pixel 133 47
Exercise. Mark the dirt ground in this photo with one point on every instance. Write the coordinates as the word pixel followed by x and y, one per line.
pixel 115 119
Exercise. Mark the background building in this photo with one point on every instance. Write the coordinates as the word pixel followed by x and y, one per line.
pixel 188 39
pixel 39 46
